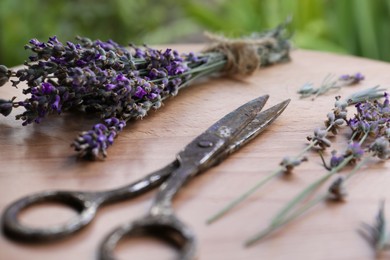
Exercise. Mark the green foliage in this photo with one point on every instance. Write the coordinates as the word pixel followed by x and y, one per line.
pixel 346 26
pixel 121 20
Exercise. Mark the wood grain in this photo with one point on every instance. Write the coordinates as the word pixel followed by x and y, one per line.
pixel 38 157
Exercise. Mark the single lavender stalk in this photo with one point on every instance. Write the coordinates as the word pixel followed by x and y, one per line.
pixel 121 84
pixel 365 94
pixel 328 84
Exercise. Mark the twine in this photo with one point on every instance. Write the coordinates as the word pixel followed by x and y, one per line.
pixel 242 55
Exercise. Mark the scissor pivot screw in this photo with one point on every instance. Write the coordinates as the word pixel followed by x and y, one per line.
pixel 205 144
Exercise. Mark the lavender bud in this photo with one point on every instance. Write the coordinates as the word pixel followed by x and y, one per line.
pixel 320 138
pixel 331 117
pixel 335 160
pixel 306 90
pixel 339 121
pixel 351 79
pixel 337 191
pixel 4 75
pixel 320 133
pixel 341 104
pixel 381 148
pixel 355 150
pixel 289 163
pixel 5 107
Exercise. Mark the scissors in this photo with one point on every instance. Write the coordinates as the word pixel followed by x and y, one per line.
pixel 207 150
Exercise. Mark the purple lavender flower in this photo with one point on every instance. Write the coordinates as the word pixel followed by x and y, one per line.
pixel 381 147
pixel 347 79
pixel 372 118
pixel 355 150
pixel 95 142
pixel 335 160
pixel 328 84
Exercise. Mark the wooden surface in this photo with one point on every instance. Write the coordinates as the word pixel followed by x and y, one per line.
pixel 38 157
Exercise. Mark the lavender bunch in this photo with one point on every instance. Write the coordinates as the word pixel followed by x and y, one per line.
pixel 118 84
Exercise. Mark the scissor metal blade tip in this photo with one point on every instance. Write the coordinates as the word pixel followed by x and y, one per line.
pixel 279 108
pixel 269 115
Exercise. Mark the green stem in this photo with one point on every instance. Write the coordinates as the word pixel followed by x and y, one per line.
pixel 242 197
pixel 304 194
pixel 298 212
pixel 272 228
pixel 254 188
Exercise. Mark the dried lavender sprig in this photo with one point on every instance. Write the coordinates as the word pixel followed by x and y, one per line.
pixel 365 94
pixel 298 212
pixel 380 148
pixel 96 141
pixel 328 84
pixel 371 119
pixel 377 234
pixel 370 113
pixel 114 82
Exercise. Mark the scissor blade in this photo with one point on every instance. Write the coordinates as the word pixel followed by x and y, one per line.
pixel 257 125
pixel 209 144
pixel 239 118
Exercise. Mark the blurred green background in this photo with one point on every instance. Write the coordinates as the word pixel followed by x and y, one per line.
pixel 357 27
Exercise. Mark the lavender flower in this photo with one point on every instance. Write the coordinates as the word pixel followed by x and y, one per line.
pixel 348 80
pixel 355 150
pixel 289 163
pixel 334 121
pixel 381 147
pixel 372 118
pixel 111 81
pixel 320 138
pixel 96 141
pixel 335 159
pixel 337 190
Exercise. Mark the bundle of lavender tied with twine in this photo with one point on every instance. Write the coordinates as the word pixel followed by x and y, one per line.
pixel 118 84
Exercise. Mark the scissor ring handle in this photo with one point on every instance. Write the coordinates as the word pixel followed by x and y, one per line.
pixel 167 227
pixel 83 203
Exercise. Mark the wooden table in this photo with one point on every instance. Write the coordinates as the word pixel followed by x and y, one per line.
pixel 38 157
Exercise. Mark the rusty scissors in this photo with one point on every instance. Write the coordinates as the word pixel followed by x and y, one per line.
pixel 207 150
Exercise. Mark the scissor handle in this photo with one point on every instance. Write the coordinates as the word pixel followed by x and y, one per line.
pixel 167 227
pixel 84 203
